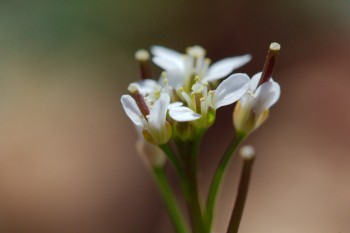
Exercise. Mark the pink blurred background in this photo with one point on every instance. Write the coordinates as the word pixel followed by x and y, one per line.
pixel 67 157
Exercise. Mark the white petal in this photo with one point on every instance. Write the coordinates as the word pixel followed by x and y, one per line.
pixel 246 100
pixel 147 86
pixel 265 96
pixel 225 66
pixel 132 110
pixel 157 115
pixel 168 54
pixel 183 114
pixel 160 51
pixel 254 82
pixel 175 73
pixel 231 89
pixel 174 105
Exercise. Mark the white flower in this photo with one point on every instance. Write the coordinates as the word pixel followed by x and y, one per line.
pixel 253 108
pixel 148 88
pixel 150 119
pixel 152 89
pixel 202 103
pixel 182 68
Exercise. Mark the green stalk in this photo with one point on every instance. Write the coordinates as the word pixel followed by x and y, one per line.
pixel 173 209
pixel 179 168
pixel 217 178
pixel 241 196
pixel 173 159
pixel 189 153
pixel 184 182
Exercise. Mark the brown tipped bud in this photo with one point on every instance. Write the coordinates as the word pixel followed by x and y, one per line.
pixel 143 58
pixel 139 99
pixel 270 61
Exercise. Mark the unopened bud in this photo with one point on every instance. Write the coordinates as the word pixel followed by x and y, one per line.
pixel 151 154
pixel 270 62
pixel 142 55
pixel 143 58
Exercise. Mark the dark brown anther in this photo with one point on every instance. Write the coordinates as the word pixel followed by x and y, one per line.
pixel 139 99
pixel 143 58
pixel 270 61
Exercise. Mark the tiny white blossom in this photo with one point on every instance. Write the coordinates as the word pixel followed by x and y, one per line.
pixel 203 103
pixel 154 126
pixel 182 67
pixel 253 108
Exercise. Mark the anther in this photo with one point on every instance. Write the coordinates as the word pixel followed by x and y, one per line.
pixel 270 61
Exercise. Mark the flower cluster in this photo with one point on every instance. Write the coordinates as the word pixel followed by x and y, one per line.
pixel 181 105
pixel 187 92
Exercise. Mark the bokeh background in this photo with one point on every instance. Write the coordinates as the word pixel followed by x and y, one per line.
pixel 67 157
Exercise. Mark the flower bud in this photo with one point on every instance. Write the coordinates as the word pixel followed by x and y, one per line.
pixel 245 119
pixel 152 155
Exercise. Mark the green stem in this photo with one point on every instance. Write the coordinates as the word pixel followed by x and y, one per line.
pixel 170 202
pixel 173 159
pixel 184 182
pixel 185 186
pixel 241 196
pixel 190 153
pixel 216 181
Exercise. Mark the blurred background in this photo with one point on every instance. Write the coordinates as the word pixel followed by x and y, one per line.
pixel 67 157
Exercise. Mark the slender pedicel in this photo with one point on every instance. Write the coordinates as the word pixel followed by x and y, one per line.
pixel 248 155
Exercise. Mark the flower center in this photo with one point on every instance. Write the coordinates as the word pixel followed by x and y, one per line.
pixel 200 99
pixel 195 65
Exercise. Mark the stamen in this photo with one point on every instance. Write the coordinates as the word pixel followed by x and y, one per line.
pixel 270 61
pixel 203 107
pixel 164 78
pixel 198 102
pixel 205 89
pixel 143 58
pixel 197 88
pixel 186 97
pixel 210 98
